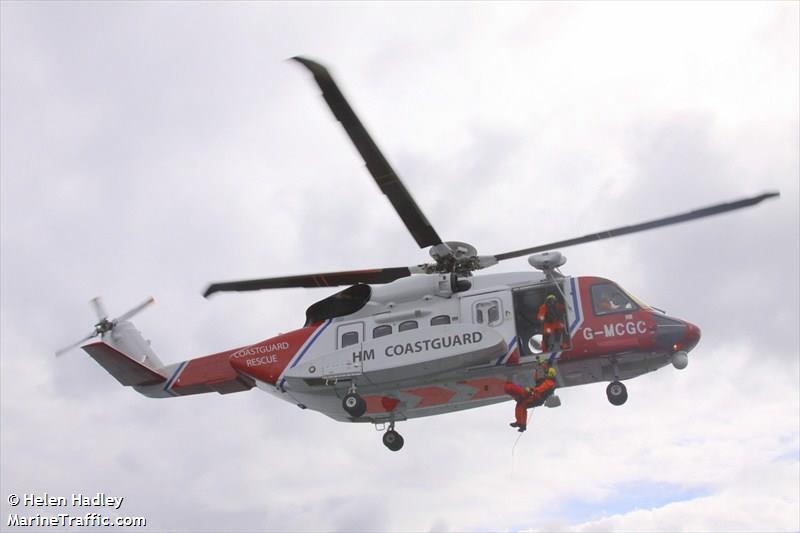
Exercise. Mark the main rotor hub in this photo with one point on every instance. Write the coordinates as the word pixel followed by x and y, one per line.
pixel 455 256
pixel 456 249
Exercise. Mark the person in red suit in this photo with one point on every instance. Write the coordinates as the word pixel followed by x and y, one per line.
pixel 551 315
pixel 528 397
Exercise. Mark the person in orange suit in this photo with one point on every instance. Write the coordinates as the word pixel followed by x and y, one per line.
pixel 551 314
pixel 528 397
pixel 607 303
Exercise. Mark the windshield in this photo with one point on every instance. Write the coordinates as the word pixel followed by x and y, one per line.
pixel 633 297
pixel 607 298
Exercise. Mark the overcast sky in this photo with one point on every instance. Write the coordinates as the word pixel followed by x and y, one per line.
pixel 150 148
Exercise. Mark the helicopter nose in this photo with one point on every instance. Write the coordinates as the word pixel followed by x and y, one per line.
pixel 674 334
pixel 692 336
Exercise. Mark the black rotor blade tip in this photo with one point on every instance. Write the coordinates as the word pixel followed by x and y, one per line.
pixel 211 289
pixel 315 68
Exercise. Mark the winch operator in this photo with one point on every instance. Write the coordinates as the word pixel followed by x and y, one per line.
pixel 551 315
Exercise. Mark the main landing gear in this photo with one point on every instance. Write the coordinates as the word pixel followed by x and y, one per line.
pixel 354 404
pixel 617 393
pixel 392 439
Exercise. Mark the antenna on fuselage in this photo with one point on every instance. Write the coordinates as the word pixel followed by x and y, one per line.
pixel 548 263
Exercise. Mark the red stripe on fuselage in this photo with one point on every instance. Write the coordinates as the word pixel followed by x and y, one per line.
pixel 380 404
pixel 431 395
pixel 486 387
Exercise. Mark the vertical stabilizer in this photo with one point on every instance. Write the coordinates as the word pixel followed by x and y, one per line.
pixel 127 339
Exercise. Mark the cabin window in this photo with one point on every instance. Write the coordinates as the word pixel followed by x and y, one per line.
pixel 407 325
pixel 350 334
pixel 607 298
pixel 440 320
pixel 381 331
pixel 349 338
pixel 488 312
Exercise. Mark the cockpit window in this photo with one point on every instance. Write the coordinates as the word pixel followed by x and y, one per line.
pixel 636 299
pixel 607 298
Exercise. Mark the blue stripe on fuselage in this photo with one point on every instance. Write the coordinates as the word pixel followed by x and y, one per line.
pixel 304 350
pixel 511 346
pixel 174 378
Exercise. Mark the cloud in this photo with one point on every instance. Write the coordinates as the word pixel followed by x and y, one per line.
pixel 743 507
pixel 628 497
pixel 151 149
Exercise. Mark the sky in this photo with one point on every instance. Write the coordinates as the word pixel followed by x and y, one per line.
pixel 152 148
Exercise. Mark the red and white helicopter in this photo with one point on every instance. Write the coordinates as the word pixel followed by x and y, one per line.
pixel 406 342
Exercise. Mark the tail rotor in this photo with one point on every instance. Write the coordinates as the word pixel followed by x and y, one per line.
pixel 104 325
pixel 99 309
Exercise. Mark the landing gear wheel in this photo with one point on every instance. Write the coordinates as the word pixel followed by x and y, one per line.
pixel 617 393
pixel 354 404
pixel 393 440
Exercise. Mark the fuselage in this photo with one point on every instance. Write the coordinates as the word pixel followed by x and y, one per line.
pixel 415 348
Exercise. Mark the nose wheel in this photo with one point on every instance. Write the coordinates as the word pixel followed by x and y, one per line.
pixel 392 439
pixel 617 393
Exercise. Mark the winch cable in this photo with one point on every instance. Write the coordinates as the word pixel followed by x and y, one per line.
pixel 512 452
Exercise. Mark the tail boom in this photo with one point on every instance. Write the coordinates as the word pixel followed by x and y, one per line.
pixel 127 356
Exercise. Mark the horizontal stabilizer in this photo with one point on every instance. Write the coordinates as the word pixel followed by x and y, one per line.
pixel 127 371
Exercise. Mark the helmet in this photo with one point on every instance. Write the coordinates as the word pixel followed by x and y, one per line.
pixel 550 297
pixel 551 372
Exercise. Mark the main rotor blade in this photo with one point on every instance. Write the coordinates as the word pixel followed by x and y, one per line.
pixel 378 166
pixel 644 226
pixel 327 279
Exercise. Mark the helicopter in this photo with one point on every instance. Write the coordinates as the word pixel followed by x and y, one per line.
pixel 413 341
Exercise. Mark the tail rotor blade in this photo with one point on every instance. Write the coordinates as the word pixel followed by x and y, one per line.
pixel 99 309
pixel 104 325
pixel 125 316
pixel 62 351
